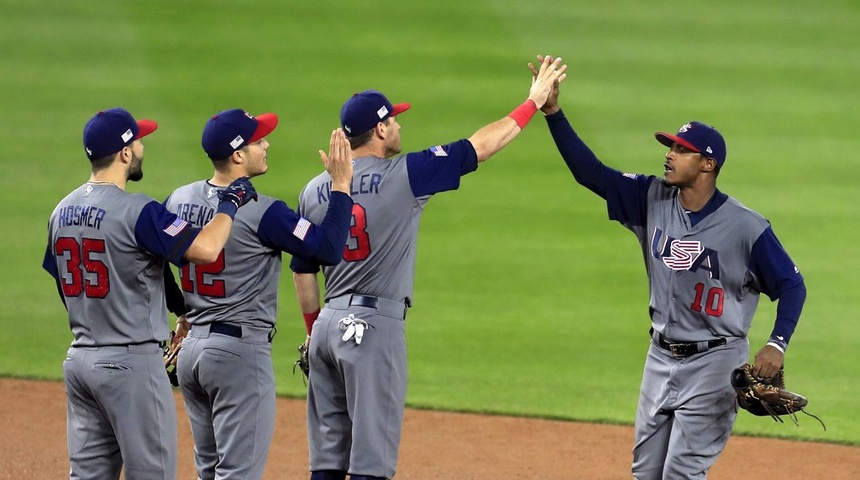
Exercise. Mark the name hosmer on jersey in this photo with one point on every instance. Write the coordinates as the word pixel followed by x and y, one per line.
pixel 362 185
pixel 195 214
pixel 81 215
pixel 688 255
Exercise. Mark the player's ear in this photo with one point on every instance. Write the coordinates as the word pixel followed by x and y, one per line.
pixel 709 164
pixel 382 128
pixel 126 154
pixel 238 157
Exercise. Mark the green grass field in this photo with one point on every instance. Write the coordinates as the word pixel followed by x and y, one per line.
pixel 527 300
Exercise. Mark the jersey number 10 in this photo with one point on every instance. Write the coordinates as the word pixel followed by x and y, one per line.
pixel 713 302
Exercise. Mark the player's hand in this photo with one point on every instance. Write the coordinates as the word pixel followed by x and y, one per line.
pixel 768 362
pixel 338 162
pixel 551 105
pixel 547 77
pixel 239 192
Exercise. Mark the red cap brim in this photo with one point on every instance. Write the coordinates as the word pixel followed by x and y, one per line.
pixel 146 127
pixel 400 108
pixel 668 139
pixel 266 122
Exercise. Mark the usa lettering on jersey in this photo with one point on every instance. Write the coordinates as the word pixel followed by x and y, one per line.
pixel 688 255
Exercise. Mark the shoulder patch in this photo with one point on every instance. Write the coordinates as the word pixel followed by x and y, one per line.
pixel 302 228
pixel 177 226
pixel 438 151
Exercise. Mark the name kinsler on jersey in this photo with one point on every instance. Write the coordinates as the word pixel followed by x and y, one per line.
pixel 367 183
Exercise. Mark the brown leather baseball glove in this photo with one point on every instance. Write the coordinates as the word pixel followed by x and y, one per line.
pixel 171 355
pixel 767 396
pixel 303 363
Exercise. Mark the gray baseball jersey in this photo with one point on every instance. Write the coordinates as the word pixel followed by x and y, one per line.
pixel 106 250
pixel 357 384
pixel 706 271
pixel 225 365
pixel 698 272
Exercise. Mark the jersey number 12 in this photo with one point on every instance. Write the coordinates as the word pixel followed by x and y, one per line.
pixel 198 278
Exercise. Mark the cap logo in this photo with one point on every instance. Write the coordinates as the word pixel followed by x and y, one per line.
pixel 249 115
pixel 236 142
pixel 89 152
pixel 709 150
pixel 684 128
pixel 382 112
pixel 347 128
pixel 127 135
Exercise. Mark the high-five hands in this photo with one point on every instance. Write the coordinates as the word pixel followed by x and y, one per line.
pixel 545 80
pixel 550 105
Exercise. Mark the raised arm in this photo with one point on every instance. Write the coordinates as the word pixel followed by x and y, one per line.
pixel 495 136
pixel 208 244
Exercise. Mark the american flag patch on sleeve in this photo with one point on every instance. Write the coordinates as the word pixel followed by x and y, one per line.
pixel 177 226
pixel 438 151
pixel 302 228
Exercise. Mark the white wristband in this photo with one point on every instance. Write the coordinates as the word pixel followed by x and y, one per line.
pixel 776 346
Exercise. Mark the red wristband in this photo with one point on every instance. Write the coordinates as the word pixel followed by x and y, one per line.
pixel 310 318
pixel 524 113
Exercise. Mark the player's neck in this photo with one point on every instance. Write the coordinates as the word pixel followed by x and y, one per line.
pixel 694 199
pixel 108 176
pixel 222 179
pixel 376 149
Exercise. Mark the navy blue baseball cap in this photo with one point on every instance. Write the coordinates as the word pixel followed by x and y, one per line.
pixel 109 131
pixel 698 137
pixel 365 109
pixel 231 130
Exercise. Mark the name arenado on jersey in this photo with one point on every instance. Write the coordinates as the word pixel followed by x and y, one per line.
pixel 85 215
pixel 198 215
pixel 364 184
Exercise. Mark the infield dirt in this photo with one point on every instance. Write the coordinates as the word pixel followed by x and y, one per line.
pixel 435 445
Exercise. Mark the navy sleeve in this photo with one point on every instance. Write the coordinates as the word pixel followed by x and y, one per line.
pixel 624 193
pixel 300 265
pixel 283 229
pixel 626 198
pixel 162 233
pixel 49 263
pixel 439 168
pixel 581 161
pixel 172 294
pixel 779 279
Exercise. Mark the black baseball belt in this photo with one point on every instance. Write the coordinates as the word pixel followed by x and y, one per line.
pixel 686 349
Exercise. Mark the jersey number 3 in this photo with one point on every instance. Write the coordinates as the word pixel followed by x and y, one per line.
pixel 358 246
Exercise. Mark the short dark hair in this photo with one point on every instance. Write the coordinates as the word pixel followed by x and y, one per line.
pixel 363 138
pixel 100 164
pixel 222 165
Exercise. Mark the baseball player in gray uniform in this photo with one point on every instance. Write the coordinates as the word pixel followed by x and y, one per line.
pixel 357 384
pixel 708 258
pixel 107 250
pixel 225 366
